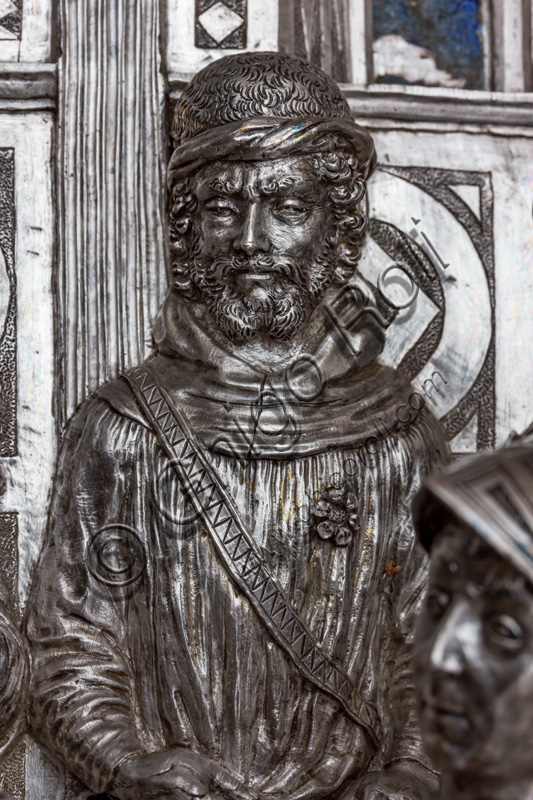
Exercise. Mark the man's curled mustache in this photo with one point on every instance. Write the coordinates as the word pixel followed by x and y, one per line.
pixel 216 270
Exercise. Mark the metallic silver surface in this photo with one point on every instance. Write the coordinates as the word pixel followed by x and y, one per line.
pixel 157 665
pixel 13 680
pixel 474 643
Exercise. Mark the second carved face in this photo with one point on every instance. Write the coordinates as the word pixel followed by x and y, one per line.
pixel 474 660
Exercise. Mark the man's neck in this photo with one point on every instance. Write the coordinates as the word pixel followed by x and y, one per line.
pixel 262 351
pixel 475 787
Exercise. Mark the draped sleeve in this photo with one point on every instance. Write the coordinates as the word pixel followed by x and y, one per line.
pixel 82 698
pixel 424 451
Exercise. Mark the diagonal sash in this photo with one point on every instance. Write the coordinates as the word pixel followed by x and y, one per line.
pixel 238 552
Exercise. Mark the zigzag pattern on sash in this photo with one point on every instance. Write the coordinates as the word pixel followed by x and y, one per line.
pixel 235 545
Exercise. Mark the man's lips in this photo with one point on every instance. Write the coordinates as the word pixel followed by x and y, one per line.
pixel 245 281
pixel 450 721
pixel 247 278
pixel 256 276
pixel 442 710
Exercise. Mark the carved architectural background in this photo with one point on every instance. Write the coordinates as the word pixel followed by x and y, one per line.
pixel 112 256
pixel 28 436
pixel 221 24
pixel 10 19
pixel 12 766
pixel 474 409
pixel 200 31
pixel 440 43
pixel 318 31
pixel 8 307
pixel 26 32
pixel 460 162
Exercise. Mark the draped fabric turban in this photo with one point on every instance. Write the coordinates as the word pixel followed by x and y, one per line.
pixel 492 494
pixel 264 138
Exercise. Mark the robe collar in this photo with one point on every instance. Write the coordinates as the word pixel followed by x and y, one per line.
pixel 335 396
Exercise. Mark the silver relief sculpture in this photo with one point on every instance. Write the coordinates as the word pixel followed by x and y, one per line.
pixel 13 680
pixel 474 645
pixel 225 601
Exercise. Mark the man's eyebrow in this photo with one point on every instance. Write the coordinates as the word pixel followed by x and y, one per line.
pixel 290 187
pixel 275 186
pixel 223 185
pixel 497 585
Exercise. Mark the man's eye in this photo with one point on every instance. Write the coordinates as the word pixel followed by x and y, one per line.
pixel 291 210
pixel 221 209
pixel 437 602
pixel 504 632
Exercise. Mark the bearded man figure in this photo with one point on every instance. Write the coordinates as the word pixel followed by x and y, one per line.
pixel 193 631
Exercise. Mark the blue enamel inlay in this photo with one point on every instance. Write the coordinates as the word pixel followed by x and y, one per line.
pixel 450 29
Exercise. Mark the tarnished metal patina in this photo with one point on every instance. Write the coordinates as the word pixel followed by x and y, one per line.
pixel 13 680
pixel 474 646
pixel 225 602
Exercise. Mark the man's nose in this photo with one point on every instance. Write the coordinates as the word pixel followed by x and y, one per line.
pixel 456 635
pixel 252 235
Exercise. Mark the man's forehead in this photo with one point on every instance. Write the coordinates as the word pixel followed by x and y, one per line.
pixel 278 174
pixel 463 557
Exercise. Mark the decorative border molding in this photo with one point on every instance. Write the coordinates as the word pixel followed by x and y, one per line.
pixel 421 104
pixel 13 765
pixel 9 558
pixel 34 87
pixel 28 472
pixel 11 21
pixel 27 86
pixel 440 184
pixel 511 51
pixel 8 324
pixel 361 42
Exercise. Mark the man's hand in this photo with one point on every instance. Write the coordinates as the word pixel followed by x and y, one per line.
pixel 177 774
pixel 398 783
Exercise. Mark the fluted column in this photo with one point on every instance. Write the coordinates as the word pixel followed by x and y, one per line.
pixel 111 270
pixel 318 30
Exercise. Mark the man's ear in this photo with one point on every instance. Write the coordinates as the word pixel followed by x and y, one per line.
pixel 182 225
pixel 333 236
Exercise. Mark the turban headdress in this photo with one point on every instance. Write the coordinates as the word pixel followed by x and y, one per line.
pixel 259 106
pixel 492 494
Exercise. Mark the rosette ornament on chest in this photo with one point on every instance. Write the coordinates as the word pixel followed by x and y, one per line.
pixel 335 515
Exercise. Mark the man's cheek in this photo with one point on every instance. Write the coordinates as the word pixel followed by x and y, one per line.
pixel 308 250
pixel 311 242
pixel 214 238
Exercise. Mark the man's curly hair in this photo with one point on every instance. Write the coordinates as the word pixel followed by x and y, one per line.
pixel 249 85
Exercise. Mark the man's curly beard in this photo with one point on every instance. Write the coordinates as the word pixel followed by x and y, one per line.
pixel 280 308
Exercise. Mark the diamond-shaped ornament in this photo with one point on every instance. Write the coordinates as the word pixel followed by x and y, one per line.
pixel 7 8
pixel 219 21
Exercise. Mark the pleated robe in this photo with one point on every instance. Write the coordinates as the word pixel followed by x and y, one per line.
pixel 177 656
